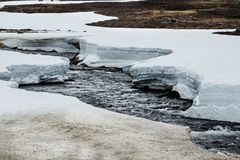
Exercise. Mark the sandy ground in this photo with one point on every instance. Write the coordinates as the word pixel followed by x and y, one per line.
pixel 64 135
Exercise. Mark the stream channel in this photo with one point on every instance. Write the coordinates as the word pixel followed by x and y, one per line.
pixel 111 89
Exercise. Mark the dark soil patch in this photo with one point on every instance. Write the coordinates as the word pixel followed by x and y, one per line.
pixel 195 14
pixel 233 33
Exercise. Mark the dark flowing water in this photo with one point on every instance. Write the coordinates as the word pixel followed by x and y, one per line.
pixel 111 89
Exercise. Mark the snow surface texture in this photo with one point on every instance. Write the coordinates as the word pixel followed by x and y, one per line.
pixel 54 44
pixel 196 53
pixel 92 54
pixel 181 80
pixel 25 69
pixel 218 102
pixel 64 127
pixel 218 96
pixel 98 56
pixel 55 21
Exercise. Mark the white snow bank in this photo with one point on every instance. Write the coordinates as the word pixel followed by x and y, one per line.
pixel 14 101
pixel 44 116
pixel 214 112
pixel 197 54
pixel 8 84
pixel 59 45
pixel 25 69
pixel 4 73
pixel 98 56
pixel 53 21
pixel 93 54
pixel 218 102
pixel 178 79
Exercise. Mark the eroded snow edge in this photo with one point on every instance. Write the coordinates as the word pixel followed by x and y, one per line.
pixel 32 69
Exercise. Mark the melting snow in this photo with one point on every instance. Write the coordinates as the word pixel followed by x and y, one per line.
pixel 26 69
pixel 200 65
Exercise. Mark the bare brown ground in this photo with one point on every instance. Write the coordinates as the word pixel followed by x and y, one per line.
pixel 204 14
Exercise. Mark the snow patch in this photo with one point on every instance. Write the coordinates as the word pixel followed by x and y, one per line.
pixel 92 54
pixel 53 21
pixel 38 44
pixel 4 74
pixel 215 112
pixel 25 69
pixel 196 53
pixel 185 82
pixel 98 56
pixel 201 68
pixel 217 102
pixel 26 116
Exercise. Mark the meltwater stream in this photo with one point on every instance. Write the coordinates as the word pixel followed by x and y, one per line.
pixel 113 90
